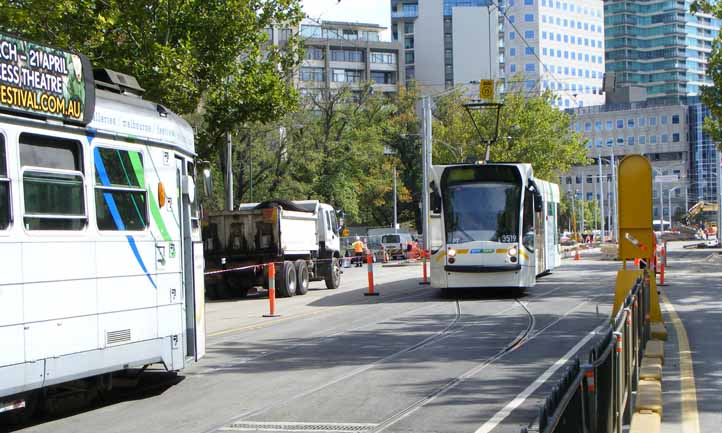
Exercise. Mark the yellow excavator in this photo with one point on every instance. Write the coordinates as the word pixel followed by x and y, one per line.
pixel 700 207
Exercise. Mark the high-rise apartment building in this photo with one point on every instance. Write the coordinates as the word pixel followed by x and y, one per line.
pixel 447 42
pixel 537 44
pixel 658 45
pixel 341 54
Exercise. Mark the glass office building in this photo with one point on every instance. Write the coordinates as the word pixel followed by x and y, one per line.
pixel 658 45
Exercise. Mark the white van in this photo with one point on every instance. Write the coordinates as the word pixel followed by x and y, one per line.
pixel 395 244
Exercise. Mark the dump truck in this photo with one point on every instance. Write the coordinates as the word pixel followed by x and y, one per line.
pixel 301 238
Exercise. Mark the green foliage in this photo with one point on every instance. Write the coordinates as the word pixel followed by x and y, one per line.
pixel 178 50
pixel 530 130
pixel 712 95
pixel 331 149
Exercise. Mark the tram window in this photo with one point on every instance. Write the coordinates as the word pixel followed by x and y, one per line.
pixel 52 183
pixel 4 187
pixel 120 195
pixel 528 221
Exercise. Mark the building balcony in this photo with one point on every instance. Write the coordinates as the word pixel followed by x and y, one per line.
pixel 407 14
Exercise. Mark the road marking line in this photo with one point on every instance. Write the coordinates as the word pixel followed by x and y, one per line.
pixel 498 417
pixel 690 415
pixel 285 426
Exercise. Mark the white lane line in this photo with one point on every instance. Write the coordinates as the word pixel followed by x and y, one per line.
pixel 502 414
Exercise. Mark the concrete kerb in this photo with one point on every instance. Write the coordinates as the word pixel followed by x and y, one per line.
pixel 647 417
pixel 410 262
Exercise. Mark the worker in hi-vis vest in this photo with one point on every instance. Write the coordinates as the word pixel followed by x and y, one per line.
pixel 358 251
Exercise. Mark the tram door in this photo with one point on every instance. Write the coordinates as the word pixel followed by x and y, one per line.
pixel 540 244
pixel 183 208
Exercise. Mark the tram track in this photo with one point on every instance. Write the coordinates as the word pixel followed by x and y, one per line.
pixel 434 338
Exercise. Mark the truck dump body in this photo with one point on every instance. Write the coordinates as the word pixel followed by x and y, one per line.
pixel 258 233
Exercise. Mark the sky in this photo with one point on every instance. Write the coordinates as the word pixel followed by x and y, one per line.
pixel 364 11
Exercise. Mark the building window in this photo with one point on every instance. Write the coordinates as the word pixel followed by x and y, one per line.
pixel 652 139
pixel 663 120
pixel 587 126
pixel 620 123
pixel 529 18
pixel 409 57
pixel 120 195
pixel 630 123
pixel 5 216
pixel 512 68
pixel 383 77
pixel 610 142
pixel 664 138
pixel 529 51
pixel 610 126
pixel 410 73
pixel 642 122
pixel 384 58
pixel 642 139
pixel 53 183
pixel 620 141
pixel 630 140
pixel 408 27
pixel 569 180
pixel 409 42
pixel 653 121
pixel 312 74
pixel 530 67
pixel 529 34
pixel 314 53
pixel 675 137
pixel 675 119
pixel 512 52
pixel 512 36
pixel 346 55
pixel 347 75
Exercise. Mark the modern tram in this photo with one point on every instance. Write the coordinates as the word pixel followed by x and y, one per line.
pixel 100 239
pixel 492 225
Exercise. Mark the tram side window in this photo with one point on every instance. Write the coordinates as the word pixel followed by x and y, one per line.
pixel 4 187
pixel 120 195
pixel 52 170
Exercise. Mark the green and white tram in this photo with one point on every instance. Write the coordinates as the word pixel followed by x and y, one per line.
pixel 492 225
pixel 102 259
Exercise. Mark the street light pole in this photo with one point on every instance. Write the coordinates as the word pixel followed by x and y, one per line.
pixel 396 221
pixel 601 194
pixel 229 172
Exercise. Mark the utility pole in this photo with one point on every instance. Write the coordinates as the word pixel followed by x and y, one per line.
pixel 396 220
pixel 426 168
pixel 601 194
pixel 229 172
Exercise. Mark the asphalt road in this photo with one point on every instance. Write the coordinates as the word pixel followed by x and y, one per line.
pixel 694 284
pixel 406 361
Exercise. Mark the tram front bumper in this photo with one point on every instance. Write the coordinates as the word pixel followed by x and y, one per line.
pixel 482 268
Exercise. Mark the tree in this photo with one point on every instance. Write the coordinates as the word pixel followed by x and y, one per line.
pixel 530 130
pixel 180 51
pixel 712 95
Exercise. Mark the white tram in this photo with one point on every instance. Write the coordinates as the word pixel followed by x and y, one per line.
pixel 492 225
pixel 101 263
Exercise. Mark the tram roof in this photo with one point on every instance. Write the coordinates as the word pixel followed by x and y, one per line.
pixel 135 118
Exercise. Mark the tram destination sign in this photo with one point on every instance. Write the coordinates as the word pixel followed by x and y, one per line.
pixel 46 82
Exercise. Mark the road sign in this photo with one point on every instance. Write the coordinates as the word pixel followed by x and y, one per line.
pixel 345 233
pixel 670 178
pixel 486 89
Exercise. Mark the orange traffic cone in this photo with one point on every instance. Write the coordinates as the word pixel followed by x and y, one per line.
pixel 636 262
pixel 577 256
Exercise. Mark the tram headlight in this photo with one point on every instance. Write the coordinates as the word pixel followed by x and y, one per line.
pixel 451 253
pixel 513 251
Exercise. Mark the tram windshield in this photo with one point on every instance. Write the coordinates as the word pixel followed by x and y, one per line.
pixel 482 211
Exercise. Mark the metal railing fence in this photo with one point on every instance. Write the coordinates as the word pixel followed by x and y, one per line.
pixel 595 397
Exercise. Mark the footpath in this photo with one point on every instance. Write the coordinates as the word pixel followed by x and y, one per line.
pixel 692 372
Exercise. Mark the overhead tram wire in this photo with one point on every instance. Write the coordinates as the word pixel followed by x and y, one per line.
pixel 526 42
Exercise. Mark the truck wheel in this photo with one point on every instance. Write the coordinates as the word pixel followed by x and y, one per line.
pixel 333 278
pixel 286 280
pixel 302 277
